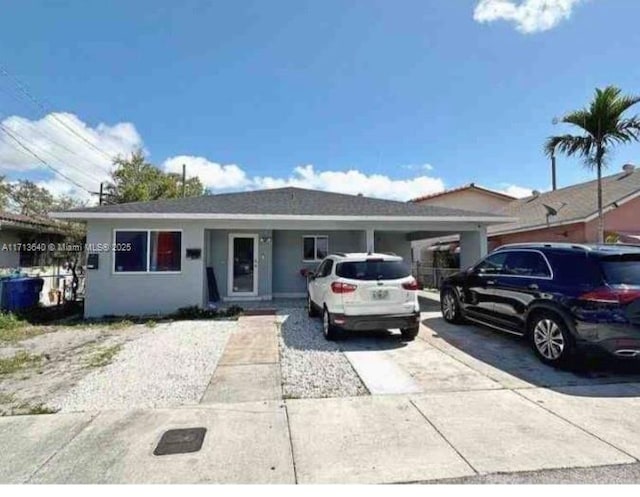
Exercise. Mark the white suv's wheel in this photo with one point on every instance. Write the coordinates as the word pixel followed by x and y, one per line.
pixel 330 331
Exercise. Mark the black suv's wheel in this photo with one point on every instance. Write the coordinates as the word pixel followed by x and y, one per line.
pixel 330 331
pixel 550 338
pixel 450 306
pixel 311 309
pixel 409 334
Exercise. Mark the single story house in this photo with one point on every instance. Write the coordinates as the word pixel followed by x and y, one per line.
pixel 17 229
pixel 570 214
pixel 155 257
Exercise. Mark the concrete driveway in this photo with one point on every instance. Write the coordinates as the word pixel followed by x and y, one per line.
pixel 458 403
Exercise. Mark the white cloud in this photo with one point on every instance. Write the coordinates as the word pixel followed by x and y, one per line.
pixel 213 175
pixel 529 16
pixel 354 182
pixel 418 167
pixel 218 177
pixel 87 166
pixel 51 139
pixel 517 191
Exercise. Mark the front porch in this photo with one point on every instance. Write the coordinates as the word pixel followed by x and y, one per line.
pixel 263 264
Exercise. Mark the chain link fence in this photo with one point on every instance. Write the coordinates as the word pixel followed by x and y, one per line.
pixel 431 277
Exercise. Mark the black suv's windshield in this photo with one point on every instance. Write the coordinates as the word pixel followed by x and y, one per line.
pixel 623 269
pixel 373 270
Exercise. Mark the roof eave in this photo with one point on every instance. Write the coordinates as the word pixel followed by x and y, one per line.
pixel 85 216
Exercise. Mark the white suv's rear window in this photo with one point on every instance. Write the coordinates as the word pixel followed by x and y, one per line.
pixel 373 270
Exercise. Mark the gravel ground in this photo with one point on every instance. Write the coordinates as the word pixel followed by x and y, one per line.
pixel 169 366
pixel 64 354
pixel 312 366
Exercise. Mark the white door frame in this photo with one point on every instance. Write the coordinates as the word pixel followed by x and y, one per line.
pixel 256 259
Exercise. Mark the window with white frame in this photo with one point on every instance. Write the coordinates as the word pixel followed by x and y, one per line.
pixel 315 248
pixel 147 251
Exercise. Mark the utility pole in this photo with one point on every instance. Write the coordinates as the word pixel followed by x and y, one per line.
pixel 184 180
pixel 101 193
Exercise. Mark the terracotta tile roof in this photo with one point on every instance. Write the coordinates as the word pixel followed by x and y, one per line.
pixel 469 186
pixel 20 221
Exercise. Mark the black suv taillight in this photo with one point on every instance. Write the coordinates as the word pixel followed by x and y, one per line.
pixel 608 295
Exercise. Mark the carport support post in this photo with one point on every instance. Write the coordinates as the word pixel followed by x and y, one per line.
pixel 370 241
pixel 473 246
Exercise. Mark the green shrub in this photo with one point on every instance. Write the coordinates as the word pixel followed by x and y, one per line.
pixel 195 312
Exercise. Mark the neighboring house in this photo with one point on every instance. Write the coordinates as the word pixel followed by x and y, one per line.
pixel 256 244
pixel 18 229
pixel 567 214
pixel 470 197
pixel 571 214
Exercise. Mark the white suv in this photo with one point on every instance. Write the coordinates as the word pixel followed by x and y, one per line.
pixel 364 292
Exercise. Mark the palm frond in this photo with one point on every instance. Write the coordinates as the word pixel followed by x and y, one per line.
pixel 579 118
pixel 570 145
pixel 603 125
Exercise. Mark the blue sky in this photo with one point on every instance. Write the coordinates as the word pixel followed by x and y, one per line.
pixel 391 98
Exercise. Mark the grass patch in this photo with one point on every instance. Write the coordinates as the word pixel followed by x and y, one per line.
pixel 9 321
pixel 25 409
pixel 103 356
pixel 13 328
pixel 20 360
pixel 34 409
pixel 119 324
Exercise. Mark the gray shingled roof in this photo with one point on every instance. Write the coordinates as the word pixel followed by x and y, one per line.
pixel 283 201
pixel 573 203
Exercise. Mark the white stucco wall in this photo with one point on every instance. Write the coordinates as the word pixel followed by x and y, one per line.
pixel 109 293
pixel 473 247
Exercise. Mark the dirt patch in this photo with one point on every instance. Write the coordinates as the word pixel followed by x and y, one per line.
pixel 43 362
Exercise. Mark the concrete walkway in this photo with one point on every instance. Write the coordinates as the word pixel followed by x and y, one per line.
pixel 249 369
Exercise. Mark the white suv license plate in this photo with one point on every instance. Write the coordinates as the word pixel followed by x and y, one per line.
pixel 380 294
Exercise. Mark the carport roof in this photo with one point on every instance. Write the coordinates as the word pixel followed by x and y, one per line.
pixel 279 203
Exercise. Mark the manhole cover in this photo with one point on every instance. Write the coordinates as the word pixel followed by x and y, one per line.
pixel 180 441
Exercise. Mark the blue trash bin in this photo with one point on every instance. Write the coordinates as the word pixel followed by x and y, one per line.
pixel 20 293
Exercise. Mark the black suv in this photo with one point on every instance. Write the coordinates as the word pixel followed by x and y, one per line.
pixel 560 296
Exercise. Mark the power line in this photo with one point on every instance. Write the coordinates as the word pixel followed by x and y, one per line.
pixel 47 110
pixel 28 150
pixel 47 136
pixel 32 145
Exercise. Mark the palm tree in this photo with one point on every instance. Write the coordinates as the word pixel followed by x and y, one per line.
pixel 602 127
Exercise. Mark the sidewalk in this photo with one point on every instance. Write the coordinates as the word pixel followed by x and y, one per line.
pixel 377 439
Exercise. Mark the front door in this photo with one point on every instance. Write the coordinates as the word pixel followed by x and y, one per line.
pixel 243 265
